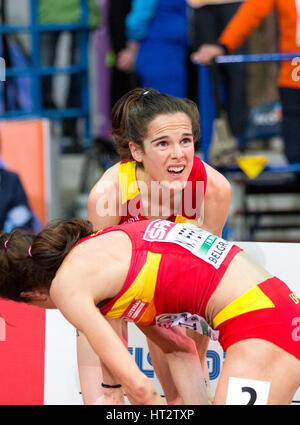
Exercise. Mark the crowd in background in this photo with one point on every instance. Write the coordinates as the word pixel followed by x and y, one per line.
pixel 163 41
pixel 159 43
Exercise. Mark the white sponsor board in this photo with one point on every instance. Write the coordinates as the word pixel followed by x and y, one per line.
pixel 61 376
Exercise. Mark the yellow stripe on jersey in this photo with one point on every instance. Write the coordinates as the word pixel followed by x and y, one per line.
pixel 127 179
pixel 142 288
pixel 252 300
pixel 181 219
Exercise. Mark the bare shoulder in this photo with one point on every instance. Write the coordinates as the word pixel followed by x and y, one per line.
pixel 103 201
pixel 74 290
pixel 216 201
pixel 77 267
pixel 217 183
pixel 94 268
pixel 107 180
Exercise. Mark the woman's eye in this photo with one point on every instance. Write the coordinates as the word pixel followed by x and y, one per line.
pixel 161 144
pixel 186 141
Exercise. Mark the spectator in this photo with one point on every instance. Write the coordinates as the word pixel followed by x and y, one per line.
pixel 63 12
pixel 156 47
pixel 14 207
pixel 249 16
pixel 207 21
pixel 121 81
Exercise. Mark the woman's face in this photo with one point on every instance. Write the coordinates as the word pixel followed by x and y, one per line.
pixel 168 149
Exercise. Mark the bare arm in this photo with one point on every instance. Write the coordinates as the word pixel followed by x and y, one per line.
pixel 216 201
pixel 114 395
pixel 79 309
pixel 103 201
pixel 92 373
pixel 103 205
pixel 184 368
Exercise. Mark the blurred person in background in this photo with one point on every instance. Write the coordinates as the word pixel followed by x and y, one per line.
pixel 207 21
pixel 156 47
pixel 121 81
pixel 14 207
pixel 64 12
pixel 249 16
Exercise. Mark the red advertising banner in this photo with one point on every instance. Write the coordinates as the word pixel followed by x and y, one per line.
pixel 22 327
pixel 23 151
pixel 22 352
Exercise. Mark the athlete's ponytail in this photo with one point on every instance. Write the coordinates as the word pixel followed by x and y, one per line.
pixel 30 261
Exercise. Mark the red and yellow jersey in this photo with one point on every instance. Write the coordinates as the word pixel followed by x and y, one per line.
pixel 192 195
pixel 250 15
pixel 175 268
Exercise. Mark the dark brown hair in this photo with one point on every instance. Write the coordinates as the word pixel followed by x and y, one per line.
pixel 133 112
pixel 30 261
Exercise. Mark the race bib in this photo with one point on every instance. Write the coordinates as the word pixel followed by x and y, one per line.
pixel 199 242
pixel 187 320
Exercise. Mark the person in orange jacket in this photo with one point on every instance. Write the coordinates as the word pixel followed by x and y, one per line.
pixel 249 16
pixel 207 20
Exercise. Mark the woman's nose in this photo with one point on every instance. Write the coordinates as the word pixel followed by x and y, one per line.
pixel 176 151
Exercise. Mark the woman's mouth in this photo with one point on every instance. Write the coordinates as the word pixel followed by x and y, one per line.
pixel 175 170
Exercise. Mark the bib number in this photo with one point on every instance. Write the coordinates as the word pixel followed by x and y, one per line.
pixel 247 391
pixel 189 321
pixel 199 242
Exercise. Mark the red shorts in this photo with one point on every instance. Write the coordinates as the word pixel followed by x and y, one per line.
pixel 269 311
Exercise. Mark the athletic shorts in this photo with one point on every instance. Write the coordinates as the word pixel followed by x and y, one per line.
pixel 269 311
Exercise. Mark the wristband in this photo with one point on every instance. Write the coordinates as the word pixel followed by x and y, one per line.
pixel 111 386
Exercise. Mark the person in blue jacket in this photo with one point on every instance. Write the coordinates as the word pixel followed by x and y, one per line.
pixel 14 207
pixel 156 48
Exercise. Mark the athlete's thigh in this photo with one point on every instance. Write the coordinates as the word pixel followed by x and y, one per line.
pixel 257 371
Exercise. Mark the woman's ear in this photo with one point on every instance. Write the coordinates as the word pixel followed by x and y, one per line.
pixel 136 151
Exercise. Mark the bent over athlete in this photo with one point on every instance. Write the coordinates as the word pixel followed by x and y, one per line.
pixel 161 274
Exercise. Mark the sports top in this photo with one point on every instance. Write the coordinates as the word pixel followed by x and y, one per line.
pixel 192 195
pixel 174 269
